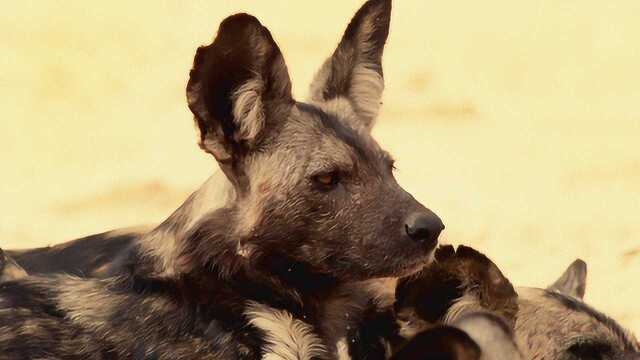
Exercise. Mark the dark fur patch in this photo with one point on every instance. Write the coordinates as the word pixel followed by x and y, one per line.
pixel 590 351
pixel 80 257
pixel 366 340
pixel 440 343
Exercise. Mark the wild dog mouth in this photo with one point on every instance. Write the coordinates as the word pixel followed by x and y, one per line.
pixel 412 264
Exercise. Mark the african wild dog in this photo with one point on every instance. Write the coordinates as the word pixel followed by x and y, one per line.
pixel 281 268
pixel 465 290
pixel 552 323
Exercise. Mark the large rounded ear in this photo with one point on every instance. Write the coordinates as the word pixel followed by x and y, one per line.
pixel 353 74
pixel 573 281
pixel 238 90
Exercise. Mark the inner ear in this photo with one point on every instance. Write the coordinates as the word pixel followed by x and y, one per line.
pixel 239 91
pixel 352 79
pixel 573 281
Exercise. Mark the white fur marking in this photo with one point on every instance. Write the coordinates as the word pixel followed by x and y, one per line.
pixel 366 92
pixel 343 349
pixel 287 338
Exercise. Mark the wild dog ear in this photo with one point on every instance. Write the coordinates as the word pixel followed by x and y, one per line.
pixel 498 288
pixel 238 89
pixel 481 275
pixel 354 72
pixel 573 281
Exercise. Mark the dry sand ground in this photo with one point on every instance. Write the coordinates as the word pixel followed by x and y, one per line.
pixel 517 122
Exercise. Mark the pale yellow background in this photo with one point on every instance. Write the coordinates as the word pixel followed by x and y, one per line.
pixel 517 121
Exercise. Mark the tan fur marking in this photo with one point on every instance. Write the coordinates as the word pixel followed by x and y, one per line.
pixel 343 350
pixel 248 111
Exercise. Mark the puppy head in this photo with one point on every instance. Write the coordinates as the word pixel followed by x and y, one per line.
pixel 460 280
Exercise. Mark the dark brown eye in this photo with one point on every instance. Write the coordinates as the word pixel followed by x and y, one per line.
pixel 327 180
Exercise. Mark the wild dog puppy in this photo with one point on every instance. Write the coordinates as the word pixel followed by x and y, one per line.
pixel 459 282
pixel 280 270
pixel 555 323
pixel 552 323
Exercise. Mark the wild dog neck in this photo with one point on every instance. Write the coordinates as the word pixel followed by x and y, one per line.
pixel 161 243
pixel 213 271
pixel 212 249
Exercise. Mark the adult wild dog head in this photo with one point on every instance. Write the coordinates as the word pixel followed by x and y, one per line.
pixel 313 188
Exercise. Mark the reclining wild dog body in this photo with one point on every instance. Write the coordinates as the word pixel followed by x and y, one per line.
pixel 315 211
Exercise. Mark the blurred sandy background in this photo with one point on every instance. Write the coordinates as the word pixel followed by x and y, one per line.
pixel 519 123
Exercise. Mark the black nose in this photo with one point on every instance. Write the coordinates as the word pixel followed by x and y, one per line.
pixel 424 227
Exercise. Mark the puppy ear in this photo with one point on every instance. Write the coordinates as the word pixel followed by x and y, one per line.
pixel 238 90
pixel 352 76
pixel 496 293
pixel 500 292
pixel 573 281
